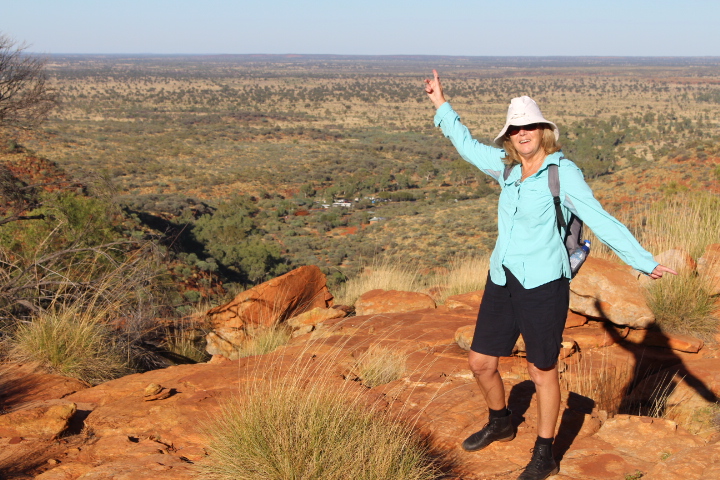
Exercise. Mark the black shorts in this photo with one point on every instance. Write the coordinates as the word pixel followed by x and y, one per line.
pixel 538 313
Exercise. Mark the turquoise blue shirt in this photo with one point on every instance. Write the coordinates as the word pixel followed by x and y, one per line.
pixel 528 242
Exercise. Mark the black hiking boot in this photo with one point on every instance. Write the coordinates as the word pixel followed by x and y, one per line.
pixel 542 464
pixel 496 430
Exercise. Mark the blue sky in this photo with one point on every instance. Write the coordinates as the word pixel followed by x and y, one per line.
pixel 369 27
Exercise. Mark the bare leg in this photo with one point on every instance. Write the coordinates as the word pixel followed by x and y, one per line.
pixel 547 386
pixel 484 369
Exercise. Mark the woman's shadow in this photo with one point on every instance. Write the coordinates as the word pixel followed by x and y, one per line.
pixel 652 355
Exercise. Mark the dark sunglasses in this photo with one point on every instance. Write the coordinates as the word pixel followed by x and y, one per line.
pixel 514 129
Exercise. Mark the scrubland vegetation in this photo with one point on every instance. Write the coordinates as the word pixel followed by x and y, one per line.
pixel 191 179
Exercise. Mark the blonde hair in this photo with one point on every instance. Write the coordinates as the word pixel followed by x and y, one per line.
pixel 547 142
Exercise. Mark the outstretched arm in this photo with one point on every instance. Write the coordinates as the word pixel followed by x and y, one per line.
pixel 434 90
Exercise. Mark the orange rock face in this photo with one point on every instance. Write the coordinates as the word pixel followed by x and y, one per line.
pixel 275 300
pixel 392 301
pixel 604 289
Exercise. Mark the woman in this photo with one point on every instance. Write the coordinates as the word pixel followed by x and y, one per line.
pixel 528 284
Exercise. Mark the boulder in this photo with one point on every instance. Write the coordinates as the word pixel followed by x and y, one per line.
pixel 392 301
pixel 466 300
pixel 594 335
pixel 315 316
pixel 604 289
pixel 46 419
pixel 225 342
pixel 275 300
pixel 675 258
pixel 464 336
pixel 675 341
pixel 708 267
pixel 575 320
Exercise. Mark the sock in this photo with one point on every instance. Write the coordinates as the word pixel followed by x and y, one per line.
pixel 498 413
pixel 544 441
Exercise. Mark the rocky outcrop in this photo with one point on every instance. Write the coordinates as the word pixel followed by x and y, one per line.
pixel 392 301
pixel 275 300
pixel 606 290
pixel 149 425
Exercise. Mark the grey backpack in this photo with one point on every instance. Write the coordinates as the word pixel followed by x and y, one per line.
pixel 574 227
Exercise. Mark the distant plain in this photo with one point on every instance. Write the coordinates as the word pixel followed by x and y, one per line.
pixel 160 133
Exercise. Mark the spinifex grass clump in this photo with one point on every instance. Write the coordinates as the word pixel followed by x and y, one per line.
pixel 380 365
pixel 606 384
pixel 70 341
pixel 319 432
pixel 690 222
pixel 466 274
pixel 682 304
pixel 262 340
pixel 385 275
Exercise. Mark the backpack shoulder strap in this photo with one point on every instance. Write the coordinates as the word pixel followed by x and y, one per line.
pixel 506 172
pixel 554 184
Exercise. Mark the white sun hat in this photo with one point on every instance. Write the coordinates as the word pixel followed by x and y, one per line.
pixel 524 111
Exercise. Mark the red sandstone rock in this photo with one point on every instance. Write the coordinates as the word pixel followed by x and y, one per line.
pixel 46 419
pixel 701 463
pixel 641 437
pixel 677 259
pixel 391 301
pixel 464 336
pixel 604 289
pixel 315 316
pixel 438 395
pixel 24 383
pixel 708 267
pixel 275 300
pixel 466 300
pixel 575 320
pixel 651 338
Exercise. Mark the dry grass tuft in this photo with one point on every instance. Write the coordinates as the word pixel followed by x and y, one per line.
pixel 279 430
pixel 682 304
pixel 690 222
pixel 607 384
pixel 380 365
pixel 385 275
pixel 71 341
pixel 262 340
pixel 466 274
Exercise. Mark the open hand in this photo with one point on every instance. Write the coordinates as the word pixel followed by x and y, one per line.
pixel 434 90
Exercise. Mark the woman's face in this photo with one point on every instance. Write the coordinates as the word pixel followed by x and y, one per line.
pixel 527 140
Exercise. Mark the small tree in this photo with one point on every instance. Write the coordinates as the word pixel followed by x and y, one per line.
pixel 25 97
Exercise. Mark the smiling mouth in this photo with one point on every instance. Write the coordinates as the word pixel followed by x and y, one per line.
pixel 524 141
